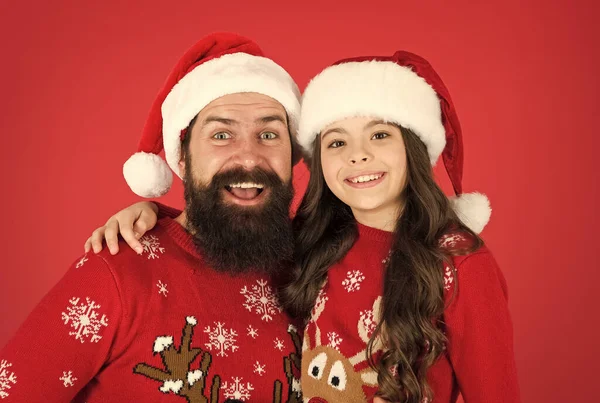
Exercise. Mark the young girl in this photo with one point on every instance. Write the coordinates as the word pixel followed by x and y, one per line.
pixel 401 298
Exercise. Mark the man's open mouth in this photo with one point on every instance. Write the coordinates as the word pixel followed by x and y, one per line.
pixel 245 190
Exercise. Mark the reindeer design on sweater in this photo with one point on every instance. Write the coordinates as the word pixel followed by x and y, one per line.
pixel 327 375
pixel 178 377
pixel 291 363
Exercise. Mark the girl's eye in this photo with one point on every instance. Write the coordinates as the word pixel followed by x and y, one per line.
pixel 380 135
pixel 336 144
pixel 222 136
pixel 268 136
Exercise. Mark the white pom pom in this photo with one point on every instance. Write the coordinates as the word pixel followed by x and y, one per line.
pixel 473 209
pixel 191 320
pixel 147 174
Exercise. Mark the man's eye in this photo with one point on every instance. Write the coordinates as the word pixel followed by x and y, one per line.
pixel 336 144
pixel 268 136
pixel 222 136
pixel 380 135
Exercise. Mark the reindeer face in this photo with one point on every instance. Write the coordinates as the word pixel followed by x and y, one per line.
pixel 327 375
pixel 331 376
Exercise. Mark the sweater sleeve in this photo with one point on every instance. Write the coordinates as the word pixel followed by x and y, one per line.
pixel 167 211
pixel 479 332
pixel 67 338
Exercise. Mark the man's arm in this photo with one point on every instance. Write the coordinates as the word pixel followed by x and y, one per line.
pixel 67 338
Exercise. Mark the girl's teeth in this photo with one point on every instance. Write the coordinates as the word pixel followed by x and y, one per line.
pixel 365 178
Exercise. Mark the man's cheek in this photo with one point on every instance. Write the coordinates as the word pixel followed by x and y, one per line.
pixel 284 171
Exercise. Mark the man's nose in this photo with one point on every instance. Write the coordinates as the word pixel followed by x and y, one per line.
pixel 248 154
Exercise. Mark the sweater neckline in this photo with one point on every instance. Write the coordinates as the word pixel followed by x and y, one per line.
pixel 374 234
pixel 180 235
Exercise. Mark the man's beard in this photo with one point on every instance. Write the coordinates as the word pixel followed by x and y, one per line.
pixel 236 239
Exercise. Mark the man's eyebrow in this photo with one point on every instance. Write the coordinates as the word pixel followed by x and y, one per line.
pixel 218 119
pixel 271 118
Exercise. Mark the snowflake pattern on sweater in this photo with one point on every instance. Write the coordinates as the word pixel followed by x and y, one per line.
pixel 68 379
pixel 352 281
pixel 237 389
pixel 117 333
pixel 261 300
pixel 7 378
pixel 84 318
pixel 151 246
pixel 476 322
pixel 221 339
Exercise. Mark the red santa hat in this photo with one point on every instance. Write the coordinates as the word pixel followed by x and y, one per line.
pixel 218 65
pixel 402 89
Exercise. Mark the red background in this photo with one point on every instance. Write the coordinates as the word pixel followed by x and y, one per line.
pixel 77 79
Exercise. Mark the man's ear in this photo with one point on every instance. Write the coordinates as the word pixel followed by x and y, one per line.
pixel 185 146
pixel 181 166
pixel 297 153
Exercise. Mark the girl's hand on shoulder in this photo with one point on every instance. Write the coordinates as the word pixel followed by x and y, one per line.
pixel 131 223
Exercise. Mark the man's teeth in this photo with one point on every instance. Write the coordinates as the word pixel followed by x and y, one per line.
pixel 246 185
pixel 365 178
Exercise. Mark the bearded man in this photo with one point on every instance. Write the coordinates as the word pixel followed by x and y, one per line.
pixel 193 315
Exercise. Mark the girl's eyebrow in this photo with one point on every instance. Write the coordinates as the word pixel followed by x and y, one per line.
pixel 374 123
pixel 334 130
pixel 344 131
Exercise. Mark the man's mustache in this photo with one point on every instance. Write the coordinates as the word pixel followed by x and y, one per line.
pixel 259 176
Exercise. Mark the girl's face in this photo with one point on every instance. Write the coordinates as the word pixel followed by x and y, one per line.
pixel 364 165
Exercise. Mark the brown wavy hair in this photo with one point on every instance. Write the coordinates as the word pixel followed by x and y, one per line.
pixel 410 326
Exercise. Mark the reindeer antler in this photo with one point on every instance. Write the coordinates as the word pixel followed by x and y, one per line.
pixel 315 315
pixel 289 362
pixel 329 375
pixel 178 376
pixel 366 325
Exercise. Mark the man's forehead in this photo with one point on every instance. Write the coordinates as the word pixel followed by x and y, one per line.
pixel 247 103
